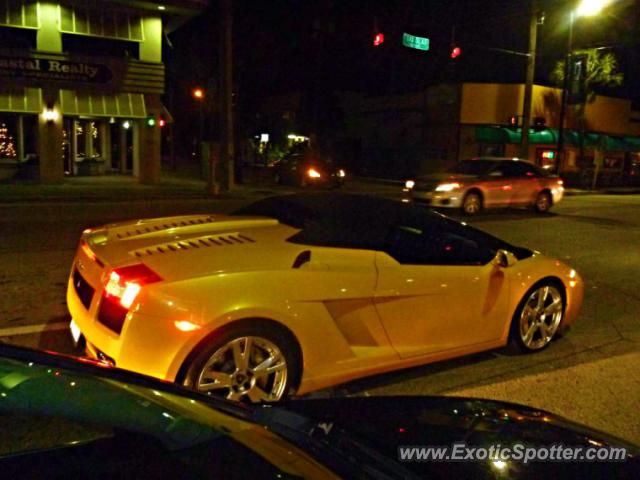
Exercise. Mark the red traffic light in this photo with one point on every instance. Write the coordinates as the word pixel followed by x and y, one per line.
pixel 455 52
pixel 378 39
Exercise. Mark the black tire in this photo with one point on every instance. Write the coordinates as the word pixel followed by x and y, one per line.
pixel 517 342
pixel 220 338
pixel 543 202
pixel 472 204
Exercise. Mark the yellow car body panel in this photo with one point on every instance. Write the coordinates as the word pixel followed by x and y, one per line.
pixel 353 312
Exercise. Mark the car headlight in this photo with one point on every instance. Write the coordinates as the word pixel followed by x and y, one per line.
pixel 409 184
pixel 313 173
pixel 342 173
pixel 447 187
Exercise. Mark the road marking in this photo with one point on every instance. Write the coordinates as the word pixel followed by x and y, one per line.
pixel 26 330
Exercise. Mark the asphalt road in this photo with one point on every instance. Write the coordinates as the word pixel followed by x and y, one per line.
pixel 590 375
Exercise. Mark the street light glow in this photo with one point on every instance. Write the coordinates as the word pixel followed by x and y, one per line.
pixel 198 93
pixel 588 8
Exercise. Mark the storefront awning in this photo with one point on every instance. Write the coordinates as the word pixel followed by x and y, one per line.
pixel 29 100
pixel 549 136
pixel 125 105
pixel 22 100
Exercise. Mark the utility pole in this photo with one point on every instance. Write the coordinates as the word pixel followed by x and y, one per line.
pixel 226 98
pixel 528 88
pixel 565 89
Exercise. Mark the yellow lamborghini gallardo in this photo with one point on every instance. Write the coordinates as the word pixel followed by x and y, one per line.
pixel 300 292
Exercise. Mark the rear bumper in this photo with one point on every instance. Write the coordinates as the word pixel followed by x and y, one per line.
pixel 147 344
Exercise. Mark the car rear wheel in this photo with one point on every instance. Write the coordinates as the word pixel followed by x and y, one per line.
pixel 245 364
pixel 472 203
pixel 543 202
pixel 537 318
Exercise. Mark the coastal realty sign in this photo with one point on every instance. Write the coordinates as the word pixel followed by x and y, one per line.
pixel 42 70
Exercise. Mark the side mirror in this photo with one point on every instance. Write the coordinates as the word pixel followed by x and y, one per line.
pixel 504 259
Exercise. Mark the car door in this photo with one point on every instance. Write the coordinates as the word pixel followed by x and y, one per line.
pixel 526 183
pixel 438 290
pixel 497 187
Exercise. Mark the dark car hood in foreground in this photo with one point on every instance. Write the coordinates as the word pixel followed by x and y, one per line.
pixel 386 423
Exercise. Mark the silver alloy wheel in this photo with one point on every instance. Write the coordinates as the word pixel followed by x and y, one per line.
pixel 543 202
pixel 540 317
pixel 471 204
pixel 245 367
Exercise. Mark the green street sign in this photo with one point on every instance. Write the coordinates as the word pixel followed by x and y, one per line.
pixel 411 41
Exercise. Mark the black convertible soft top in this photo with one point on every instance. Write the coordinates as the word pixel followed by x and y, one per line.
pixel 360 221
pixel 340 219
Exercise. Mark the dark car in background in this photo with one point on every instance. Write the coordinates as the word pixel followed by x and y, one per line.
pixel 308 167
pixel 487 182
pixel 68 418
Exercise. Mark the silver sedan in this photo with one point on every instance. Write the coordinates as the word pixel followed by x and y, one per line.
pixel 479 183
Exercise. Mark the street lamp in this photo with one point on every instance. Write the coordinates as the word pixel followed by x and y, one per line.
pixel 586 8
pixel 198 95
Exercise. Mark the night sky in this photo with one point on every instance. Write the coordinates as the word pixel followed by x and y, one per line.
pixel 326 46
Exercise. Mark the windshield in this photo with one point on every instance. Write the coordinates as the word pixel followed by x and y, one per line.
pixel 473 167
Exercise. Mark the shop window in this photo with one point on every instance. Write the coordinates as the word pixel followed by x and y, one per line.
pixel 612 163
pixel 17 38
pixel 92 46
pixel 491 150
pixel 547 157
pixel 8 148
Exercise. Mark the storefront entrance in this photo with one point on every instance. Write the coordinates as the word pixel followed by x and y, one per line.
pixel 93 146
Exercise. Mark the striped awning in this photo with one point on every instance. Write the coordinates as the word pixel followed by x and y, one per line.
pixel 126 105
pixel 29 100
pixel 549 136
pixel 21 100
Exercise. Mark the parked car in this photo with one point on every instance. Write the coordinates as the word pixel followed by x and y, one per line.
pixel 344 285
pixel 308 168
pixel 66 418
pixel 487 182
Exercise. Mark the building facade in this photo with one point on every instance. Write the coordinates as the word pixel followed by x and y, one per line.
pixel 423 132
pixel 81 84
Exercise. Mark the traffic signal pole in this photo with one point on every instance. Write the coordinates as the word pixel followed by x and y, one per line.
pixel 530 77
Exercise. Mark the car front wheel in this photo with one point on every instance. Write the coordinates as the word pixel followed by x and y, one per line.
pixel 245 364
pixel 537 318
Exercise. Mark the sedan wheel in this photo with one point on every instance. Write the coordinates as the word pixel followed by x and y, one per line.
pixel 471 204
pixel 538 318
pixel 543 202
pixel 244 368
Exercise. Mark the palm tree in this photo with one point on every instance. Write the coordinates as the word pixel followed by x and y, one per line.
pixel 602 71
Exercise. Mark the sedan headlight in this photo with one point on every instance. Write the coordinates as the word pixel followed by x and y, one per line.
pixel 313 173
pixel 409 184
pixel 342 173
pixel 447 187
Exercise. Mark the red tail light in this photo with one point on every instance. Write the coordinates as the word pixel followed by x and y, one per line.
pixel 124 284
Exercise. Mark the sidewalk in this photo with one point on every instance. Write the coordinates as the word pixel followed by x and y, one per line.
pixel 116 188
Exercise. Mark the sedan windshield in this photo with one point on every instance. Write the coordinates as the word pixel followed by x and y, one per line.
pixel 473 167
